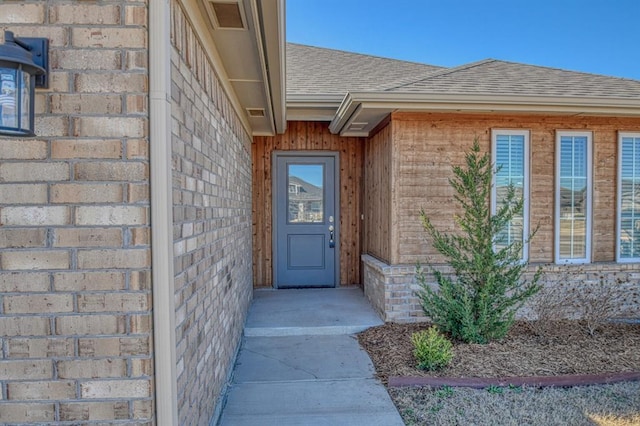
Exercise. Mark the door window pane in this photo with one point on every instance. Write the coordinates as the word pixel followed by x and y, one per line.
pixel 305 194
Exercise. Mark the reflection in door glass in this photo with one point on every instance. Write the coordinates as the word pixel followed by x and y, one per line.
pixel 305 194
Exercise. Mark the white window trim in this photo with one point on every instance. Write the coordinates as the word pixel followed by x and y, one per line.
pixel 619 197
pixel 525 189
pixel 588 225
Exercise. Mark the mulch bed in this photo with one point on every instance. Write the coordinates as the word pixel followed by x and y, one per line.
pixel 565 348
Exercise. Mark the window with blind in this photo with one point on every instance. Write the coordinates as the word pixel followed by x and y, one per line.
pixel 573 197
pixel 510 150
pixel 628 232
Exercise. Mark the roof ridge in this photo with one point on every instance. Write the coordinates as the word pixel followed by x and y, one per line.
pixel 447 71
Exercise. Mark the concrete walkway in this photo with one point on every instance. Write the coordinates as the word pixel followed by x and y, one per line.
pixel 300 364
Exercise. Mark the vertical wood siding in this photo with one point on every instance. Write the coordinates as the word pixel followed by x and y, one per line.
pixel 313 136
pixel 377 195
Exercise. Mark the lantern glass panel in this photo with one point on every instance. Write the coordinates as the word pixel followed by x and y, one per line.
pixel 9 92
pixel 25 110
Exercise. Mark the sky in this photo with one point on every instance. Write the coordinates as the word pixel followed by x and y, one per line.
pixel 593 36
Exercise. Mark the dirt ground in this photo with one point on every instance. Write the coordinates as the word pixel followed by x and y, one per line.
pixel 562 348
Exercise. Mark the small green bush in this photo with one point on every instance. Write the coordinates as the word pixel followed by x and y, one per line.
pixel 432 349
pixel 495 390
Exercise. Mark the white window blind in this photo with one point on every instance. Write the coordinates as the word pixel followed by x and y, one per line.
pixel 573 197
pixel 628 235
pixel 511 161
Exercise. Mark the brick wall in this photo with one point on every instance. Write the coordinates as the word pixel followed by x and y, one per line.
pixel 75 306
pixel 392 289
pixel 212 226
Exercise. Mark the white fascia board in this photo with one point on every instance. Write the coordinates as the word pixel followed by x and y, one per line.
pixel 393 101
pixel 257 34
pixel 321 101
pixel 280 107
pixel 271 44
pixel 508 103
pixel 310 114
pixel 312 107
pixel 345 112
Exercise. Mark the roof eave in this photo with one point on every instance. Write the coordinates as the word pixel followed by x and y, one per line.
pixel 306 107
pixel 254 82
pixel 367 109
pixel 272 14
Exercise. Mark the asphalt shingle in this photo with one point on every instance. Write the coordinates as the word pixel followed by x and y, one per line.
pixel 315 70
pixel 320 71
pixel 496 77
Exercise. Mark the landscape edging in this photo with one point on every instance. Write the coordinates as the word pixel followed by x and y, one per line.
pixel 530 381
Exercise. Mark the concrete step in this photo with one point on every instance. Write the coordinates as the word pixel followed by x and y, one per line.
pixel 299 312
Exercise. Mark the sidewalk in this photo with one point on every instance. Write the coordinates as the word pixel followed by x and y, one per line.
pixel 300 364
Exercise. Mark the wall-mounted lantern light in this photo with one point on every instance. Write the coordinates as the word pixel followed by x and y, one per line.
pixel 23 67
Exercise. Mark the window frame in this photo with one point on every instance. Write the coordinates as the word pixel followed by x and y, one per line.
pixel 526 184
pixel 589 195
pixel 619 259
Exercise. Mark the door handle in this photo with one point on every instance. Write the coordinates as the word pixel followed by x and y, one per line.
pixel 332 243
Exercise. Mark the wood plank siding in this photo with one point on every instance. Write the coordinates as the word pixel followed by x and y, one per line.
pixel 376 237
pixel 427 145
pixel 312 136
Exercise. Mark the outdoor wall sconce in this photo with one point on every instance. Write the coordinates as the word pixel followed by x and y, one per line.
pixel 23 67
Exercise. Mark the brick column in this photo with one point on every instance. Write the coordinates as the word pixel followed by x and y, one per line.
pixel 75 308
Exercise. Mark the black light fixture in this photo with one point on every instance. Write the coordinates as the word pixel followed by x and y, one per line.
pixel 23 67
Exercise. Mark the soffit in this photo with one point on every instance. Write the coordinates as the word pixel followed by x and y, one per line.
pixel 250 46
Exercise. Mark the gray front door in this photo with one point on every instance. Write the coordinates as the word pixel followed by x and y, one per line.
pixel 305 220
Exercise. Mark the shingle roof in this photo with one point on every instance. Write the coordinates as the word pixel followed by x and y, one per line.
pixel 508 78
pixel 319 71
pixel 315 70
pixel 308 191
